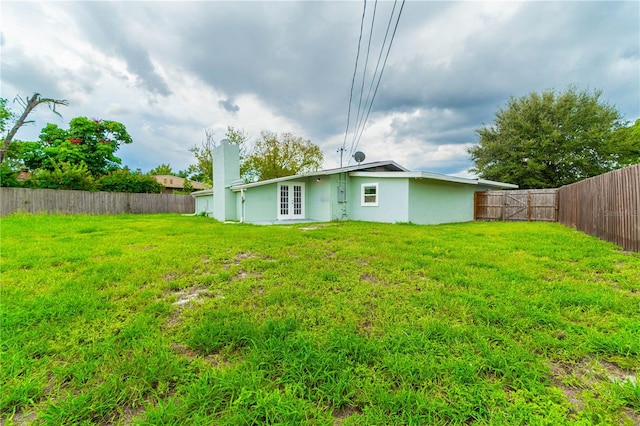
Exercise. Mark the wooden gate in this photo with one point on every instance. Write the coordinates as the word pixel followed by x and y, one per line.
pixel 517 205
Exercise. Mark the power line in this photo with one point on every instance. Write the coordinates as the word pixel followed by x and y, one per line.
pixel 364 71
pixel 373 78
pixel 353 79
pixel 380 77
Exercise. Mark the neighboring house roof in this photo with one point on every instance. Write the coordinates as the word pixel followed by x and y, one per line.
pixel 377 166
pixel 176 182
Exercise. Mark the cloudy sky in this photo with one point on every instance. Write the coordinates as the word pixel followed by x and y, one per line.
pixel 169 70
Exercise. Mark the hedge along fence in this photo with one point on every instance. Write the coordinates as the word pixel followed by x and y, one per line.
pixel 14 200
pixel 605 206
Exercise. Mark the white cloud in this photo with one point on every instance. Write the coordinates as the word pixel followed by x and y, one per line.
pixel 166 69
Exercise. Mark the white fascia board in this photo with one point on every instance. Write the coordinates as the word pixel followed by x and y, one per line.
pixel 497 184
pixel 433 176
pixel 447 178
pixel 202 193
pixel 238 187
pixel 385 174
pixel 414 175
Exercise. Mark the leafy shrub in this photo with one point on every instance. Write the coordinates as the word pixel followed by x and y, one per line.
pixel 63 176
pixel 8 176
pixel 126 181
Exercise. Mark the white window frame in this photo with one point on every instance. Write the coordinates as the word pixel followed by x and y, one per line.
pixel 363 201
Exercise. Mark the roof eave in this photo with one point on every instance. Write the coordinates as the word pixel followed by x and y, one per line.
pixel 326 172
pixel 497 184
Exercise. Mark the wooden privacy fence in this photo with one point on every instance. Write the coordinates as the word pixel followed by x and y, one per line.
pixel 14 200
pixel 517 205
pixel 605 206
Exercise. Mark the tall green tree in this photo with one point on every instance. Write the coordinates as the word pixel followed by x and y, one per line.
pixel 550 139
pixel 5 116
pixel 28 105
pixel 275 156
pixel 626 141
pixel 162 169
pixel 92 142
pixel 202 171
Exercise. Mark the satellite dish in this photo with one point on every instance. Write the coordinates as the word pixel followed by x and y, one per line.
pixel 359 156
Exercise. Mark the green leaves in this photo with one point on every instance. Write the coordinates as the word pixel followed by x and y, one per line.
pixel 89 141
pixel 127 181
pixel 551 139
pixel 276 156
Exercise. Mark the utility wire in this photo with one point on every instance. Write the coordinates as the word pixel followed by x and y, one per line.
pixel 373 79
pixel 353 79
pixel 364 74
pixel 381 72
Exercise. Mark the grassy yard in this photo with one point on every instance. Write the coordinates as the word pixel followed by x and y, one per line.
pixel 170 320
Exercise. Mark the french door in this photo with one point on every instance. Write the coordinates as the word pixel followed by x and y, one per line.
pixel 291 200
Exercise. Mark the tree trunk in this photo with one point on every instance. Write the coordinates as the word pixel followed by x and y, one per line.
pixel 29 106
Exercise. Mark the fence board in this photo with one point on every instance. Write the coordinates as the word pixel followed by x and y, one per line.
pixel 517 205
pixel 14 200
pixel 605 206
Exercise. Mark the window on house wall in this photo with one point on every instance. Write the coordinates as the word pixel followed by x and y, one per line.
pixel 369 194
pixel 284 200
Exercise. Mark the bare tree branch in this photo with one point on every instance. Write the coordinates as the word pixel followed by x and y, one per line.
pixel 29 105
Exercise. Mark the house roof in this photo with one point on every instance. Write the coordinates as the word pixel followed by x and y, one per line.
pixel 378 169
pixel 377 166
pixel 176 182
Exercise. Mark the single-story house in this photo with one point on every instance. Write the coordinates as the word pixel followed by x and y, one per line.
pixel 381 191
pixel 172 183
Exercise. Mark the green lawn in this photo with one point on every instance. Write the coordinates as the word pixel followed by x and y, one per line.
pixel 163 319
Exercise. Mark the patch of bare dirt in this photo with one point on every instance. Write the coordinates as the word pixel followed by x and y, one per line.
pixel 559 372
pixel 243 274
pixel 170 276
pixel 312 227
pixel 368 278
pixel 20 418
pixel 129 414
pixel 365 327
pixel 186 296
pixel 243 256
pixel 341 414
pixel 617 374
pixel 143 248
pixel 216 360
pixel 573 379
pixel 190 294
pixel 632 415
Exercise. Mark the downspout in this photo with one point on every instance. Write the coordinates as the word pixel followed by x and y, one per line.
pixel 242 205
pixel 343 179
